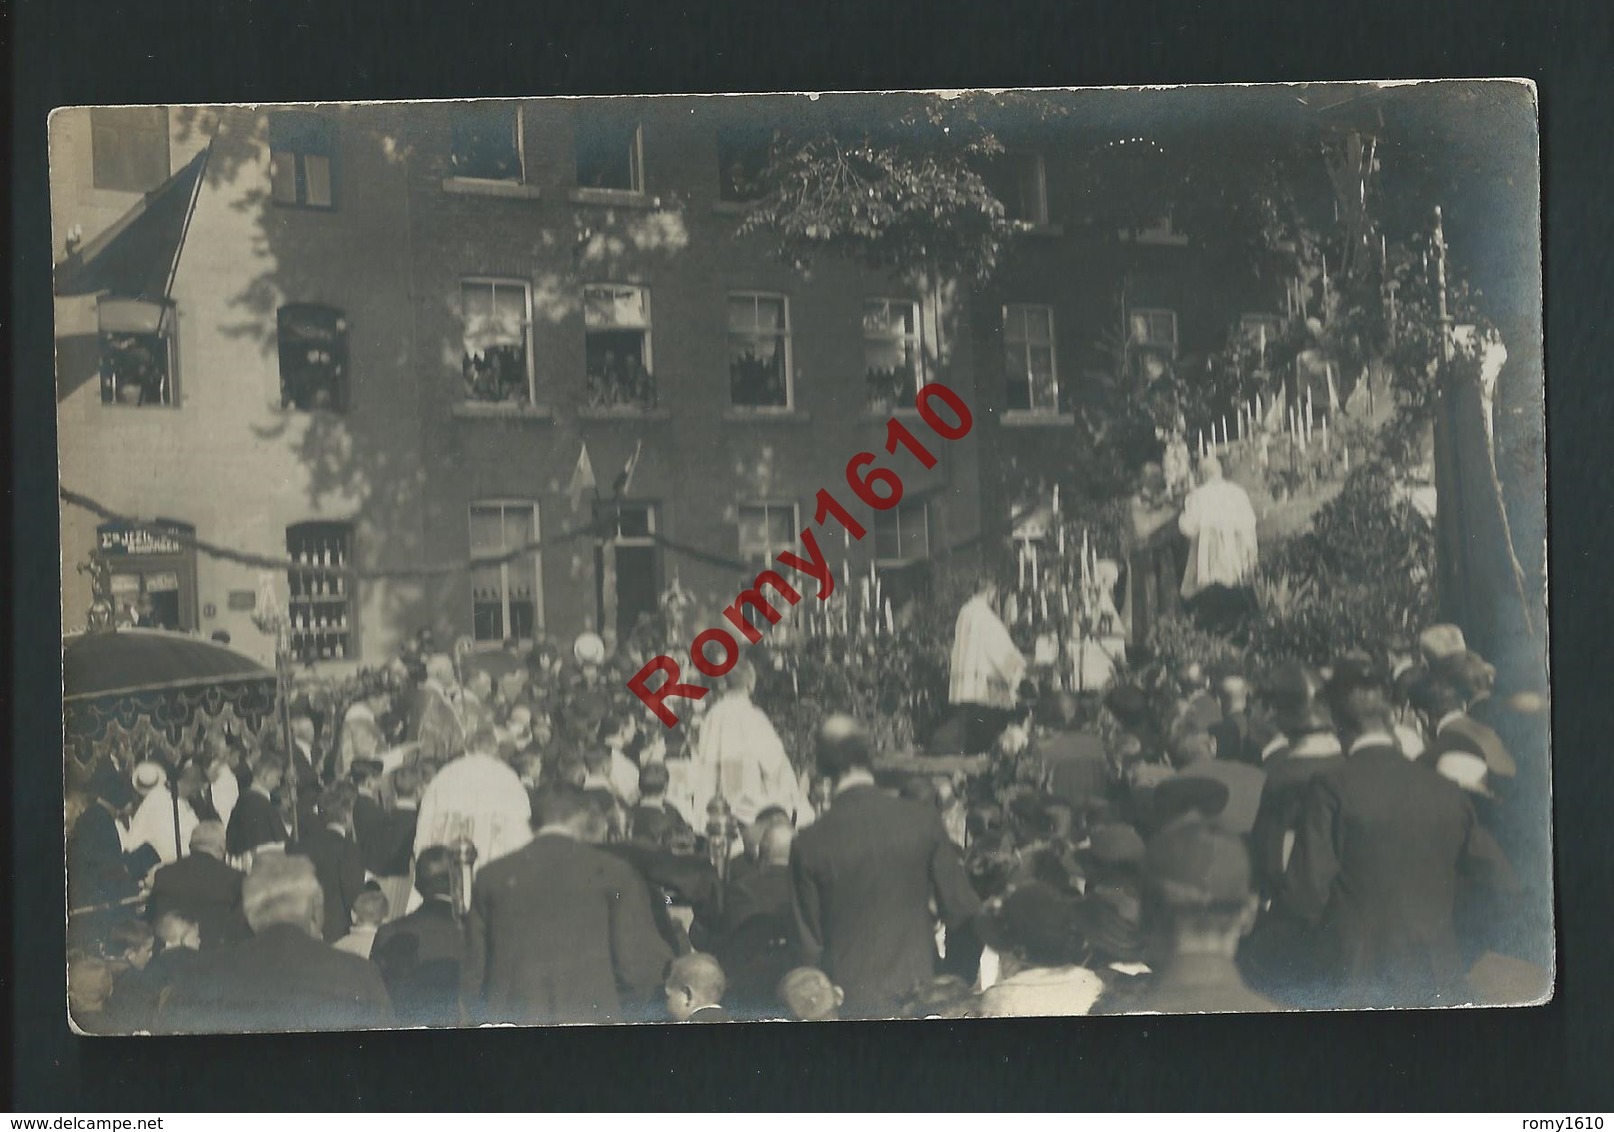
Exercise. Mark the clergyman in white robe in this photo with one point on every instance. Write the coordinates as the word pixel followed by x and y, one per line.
pixel 986 667
pixel 1220 526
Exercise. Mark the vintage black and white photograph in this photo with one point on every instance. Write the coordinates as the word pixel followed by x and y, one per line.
pixel 965 554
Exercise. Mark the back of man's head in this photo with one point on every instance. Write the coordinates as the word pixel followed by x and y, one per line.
pixel 741 678
pixel 484 740
pixel 434 872
pixel 843 746
pixel 335 804
pixel 208 838
pixel 810 996
pixel 1359 695
pixel 283 889
pixel 693 981
pixel 653 780
pixel 774 848
pixel 176 929
pixel 562 805
pixel 370 908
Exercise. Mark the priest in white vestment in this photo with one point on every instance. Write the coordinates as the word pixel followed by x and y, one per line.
pixel 986 670
pixel 1219 523
pixel 740 754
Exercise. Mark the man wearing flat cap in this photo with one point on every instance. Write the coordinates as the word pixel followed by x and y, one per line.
pixel 1198 907
pixel 1377 857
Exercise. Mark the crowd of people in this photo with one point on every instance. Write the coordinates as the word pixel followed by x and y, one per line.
pixel 505 839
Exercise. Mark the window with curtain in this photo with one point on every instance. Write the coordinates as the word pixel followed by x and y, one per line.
pixel 506 594
pixel 302 150
pixel 497 345
pixel 893 352
pixel 1029 365
pixel 759 351
pixel 313 357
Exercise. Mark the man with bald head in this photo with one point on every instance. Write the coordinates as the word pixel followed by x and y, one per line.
pixel 864 876
pixel 694 988
pixel 284 977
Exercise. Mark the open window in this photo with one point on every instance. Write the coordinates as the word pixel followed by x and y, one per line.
pixel 138 360
pixel 893 353
pixel 1019 179
pixel 616 345
pixel 321 600
pixel 742 155
pixel 759 351
pixel 1151 342
pixel 302 151
pixel 313 358
pixel 152 569
pixel 610 154
pixel 497 344
pixel 485 142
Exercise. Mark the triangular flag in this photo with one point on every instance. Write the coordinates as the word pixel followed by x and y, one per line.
pixel 625 479
pixel 582 479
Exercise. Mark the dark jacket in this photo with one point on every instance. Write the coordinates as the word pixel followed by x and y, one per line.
pixel 863 877
pixel 755 942
pixel 98 870
pixel 1245 785
pixel 340 869
pixel 281 979
pixel 1375 869
pixel 1235 742
pixel 386 837
pixel 255 821
pixel 561 932
pixel 420 957
pixel 205 889
pixel 1283 797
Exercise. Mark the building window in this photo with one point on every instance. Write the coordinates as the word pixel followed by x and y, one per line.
pixel 1154 329
pixel 893 353
pixel 742 156
pixel 301 149
pixel 759 351
pixel 138 362
pixel 505 590
pixel 485 142
pixel 902 533
pixel 313 358
pixel 616 346
pixel 129 147
pixel 610 155
pixel 498 340
pixel 1029 362
pixel 1020 181
pixel 321 606
pixel 765 530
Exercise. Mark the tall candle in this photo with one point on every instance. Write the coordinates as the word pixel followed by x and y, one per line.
pixel 1056 500
pixel 890 619
pixel 1325 434
pixel 1260 414
pixel 1224 430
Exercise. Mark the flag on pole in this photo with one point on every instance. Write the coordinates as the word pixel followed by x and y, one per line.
pixel 624 479
pixel 582 479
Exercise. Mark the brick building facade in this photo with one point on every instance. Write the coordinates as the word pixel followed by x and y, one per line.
pixel 392 331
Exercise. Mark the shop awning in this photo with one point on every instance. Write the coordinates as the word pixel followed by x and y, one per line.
pixel 135 258
pixel 136 660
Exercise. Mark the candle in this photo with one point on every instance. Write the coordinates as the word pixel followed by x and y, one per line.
pixel 1056 500
pixel 1260 414
pixel 1061 532
pixel 1325 434
pixel 1045 605
pixel 1263 341
pixel 890 619
pixel 1325 260
pixel 1384 252
pixel 1036 576
pixel 1347 457
pixel 1201 434
pixel 1224 430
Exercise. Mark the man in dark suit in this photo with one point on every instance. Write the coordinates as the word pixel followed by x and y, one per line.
pixel 201 887
pixel 561 931
pixel 1377 859
pixel 755 940
pixel 864 876
pixel 255 821
pixel 421 954
pixel 1238 738
pixel 337 861
pixel 284 977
